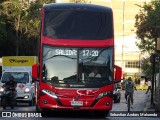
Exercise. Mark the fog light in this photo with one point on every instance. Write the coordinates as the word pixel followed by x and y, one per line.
pixel 107 103
pixel 26 97
pixel 45 101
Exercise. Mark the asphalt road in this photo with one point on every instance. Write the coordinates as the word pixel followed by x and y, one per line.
pixel 25 112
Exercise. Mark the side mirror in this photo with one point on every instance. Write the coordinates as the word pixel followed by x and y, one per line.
pixel 35 71
pixel 117 74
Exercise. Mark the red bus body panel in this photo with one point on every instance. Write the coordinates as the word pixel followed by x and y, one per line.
pixel 66 95
pixel 77 43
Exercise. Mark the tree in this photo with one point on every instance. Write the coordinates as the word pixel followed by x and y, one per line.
pixel 32 24
pixel 146 67
pixel 148 30
pixel 34 17
pixel 6 33
pixel 148 26
pixel 20 25
pixel 15 11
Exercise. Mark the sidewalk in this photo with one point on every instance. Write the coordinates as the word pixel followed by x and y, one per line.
pixel 148 106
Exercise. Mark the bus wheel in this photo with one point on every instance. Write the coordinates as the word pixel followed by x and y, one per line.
pixel 44 112
pixel 101 114
pixel 38 109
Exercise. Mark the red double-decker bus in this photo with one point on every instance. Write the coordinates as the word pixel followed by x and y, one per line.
pixel 76 68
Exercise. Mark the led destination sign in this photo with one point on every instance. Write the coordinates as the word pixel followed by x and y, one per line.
pixel 86 52
pixel 65 52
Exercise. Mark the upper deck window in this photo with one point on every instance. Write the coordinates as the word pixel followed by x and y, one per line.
pixel 78 24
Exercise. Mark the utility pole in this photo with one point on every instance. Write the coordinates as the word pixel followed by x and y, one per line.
pixel 154 59
pixel 153 56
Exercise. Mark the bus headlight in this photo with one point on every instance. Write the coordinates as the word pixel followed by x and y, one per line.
pixel 1 89
pixel 107 93
pixel 50 93
pixel 27 90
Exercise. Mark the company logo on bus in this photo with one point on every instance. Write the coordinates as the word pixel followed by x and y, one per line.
pixel 87 92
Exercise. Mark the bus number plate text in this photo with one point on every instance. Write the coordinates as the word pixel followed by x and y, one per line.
pixel 76 103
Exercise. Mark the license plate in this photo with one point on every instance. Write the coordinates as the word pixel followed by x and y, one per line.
pixel 77 103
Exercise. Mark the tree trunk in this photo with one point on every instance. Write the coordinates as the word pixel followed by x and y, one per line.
pixel 17 44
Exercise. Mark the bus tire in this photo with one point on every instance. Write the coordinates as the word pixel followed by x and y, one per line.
pixel 101 114
pixel 38 109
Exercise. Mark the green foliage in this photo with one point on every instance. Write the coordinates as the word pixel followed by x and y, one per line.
pixel 3 33
pixel 14 11
pixel 148 26
pixel 146 67
pixel 19 23
pixel 148 30
pixel 6 33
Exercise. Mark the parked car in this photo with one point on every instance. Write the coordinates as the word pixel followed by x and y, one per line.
pixel 116 94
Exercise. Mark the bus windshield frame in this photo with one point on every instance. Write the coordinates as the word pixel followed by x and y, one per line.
pixel 67 67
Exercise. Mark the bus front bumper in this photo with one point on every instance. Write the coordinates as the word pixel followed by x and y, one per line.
pixel 103 104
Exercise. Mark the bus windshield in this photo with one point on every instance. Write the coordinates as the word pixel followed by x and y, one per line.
pixel 20 77
pixel 84 66
pixel 77 24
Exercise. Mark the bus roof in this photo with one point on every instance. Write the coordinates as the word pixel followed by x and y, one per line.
pixel 82 6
